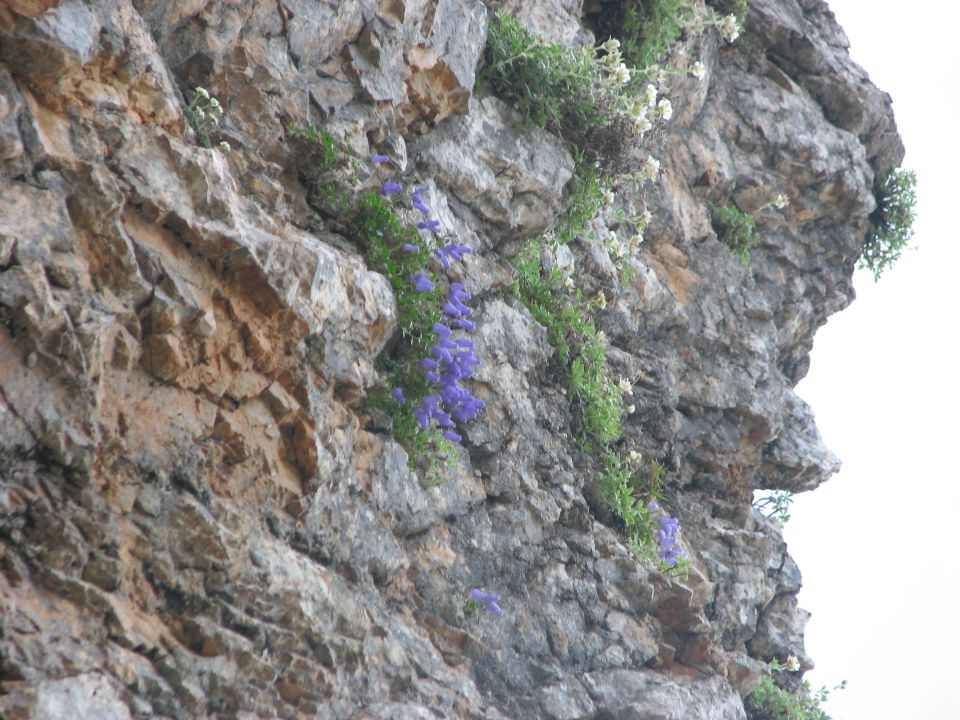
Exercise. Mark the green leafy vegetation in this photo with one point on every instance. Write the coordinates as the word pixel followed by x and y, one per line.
pixel 580 95
pixel 381 234
pixel 891 223
pixel 325 152
pixel 204 113
pixel 629 486
pixel 371 220
pixel 775 504
pixel 596 400
pixel 735 229
pixel 580 347
pixel 651 27
pixel 771 702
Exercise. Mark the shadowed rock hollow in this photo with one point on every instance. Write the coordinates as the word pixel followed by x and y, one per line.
pixel 197 517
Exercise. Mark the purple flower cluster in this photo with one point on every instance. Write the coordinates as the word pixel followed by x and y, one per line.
pixel 488 599
pixel 451 359
pixel 668 537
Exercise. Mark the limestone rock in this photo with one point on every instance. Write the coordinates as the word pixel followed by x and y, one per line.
pixel 199 514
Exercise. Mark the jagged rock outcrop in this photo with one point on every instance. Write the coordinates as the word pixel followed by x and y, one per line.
pixel 196 519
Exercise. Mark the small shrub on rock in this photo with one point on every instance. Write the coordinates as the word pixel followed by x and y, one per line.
pixel 891 223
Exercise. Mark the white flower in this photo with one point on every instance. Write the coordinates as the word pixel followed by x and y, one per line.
pixel 621 74
pixel 625 386
pixel 600 300
pixel 730 28
pixel 631 409
pixel 644 219
pixel 792 664
pixel 201 92
pixel 620 250
pixel 651 168
pixel 611 45
pixel 568 283
pixel 223 145
pixel 608 198
pixel 642 124
pixel 612 58
pixel 602 338
pixel 650 95
pixel 636 241
pixel 665 108
pixel 634 456
pixel 781 201
pixel 699 70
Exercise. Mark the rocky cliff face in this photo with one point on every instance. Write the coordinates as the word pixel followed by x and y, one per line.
pixel 198 520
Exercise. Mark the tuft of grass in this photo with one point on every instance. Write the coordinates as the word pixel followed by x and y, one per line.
pixel 318 160
pixel 891 223
pixel 735 229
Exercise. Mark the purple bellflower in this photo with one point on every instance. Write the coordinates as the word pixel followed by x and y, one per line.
pixel 389 188
pixel 488 599
pixel 380 159
pixel 421 283
pixel 418 202
pixel 431 225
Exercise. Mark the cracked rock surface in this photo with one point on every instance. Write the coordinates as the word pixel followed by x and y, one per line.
pixel 197 517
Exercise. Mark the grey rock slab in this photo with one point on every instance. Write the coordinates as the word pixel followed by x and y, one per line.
pixel 510 177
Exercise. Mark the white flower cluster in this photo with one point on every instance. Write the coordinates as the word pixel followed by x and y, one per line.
pixel 647 108
pixel 203 112
pixel 619 248
pixel 619 71
pixel 699 70
pixel 650 170
pixel 730 28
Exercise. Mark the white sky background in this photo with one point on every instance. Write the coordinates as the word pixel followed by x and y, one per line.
pixel 879 544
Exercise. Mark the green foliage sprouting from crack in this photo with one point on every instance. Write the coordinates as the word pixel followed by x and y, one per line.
pixel 891 223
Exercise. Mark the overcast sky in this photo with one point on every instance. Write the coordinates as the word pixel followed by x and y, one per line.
pixel 878 544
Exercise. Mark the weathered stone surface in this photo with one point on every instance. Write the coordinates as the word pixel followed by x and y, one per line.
pixel 510 178
pixel 198 515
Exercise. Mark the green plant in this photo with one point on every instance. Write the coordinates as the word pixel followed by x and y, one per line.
pixel 586 198
pixel 775 504
pixel 381 234
pixel 581 95
pixel 891 223
pixel 737 8
pixel 595 399
pixel 651 27
pixel 325 154
pixel 204 113
pixel 735 229
pixel 771 702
